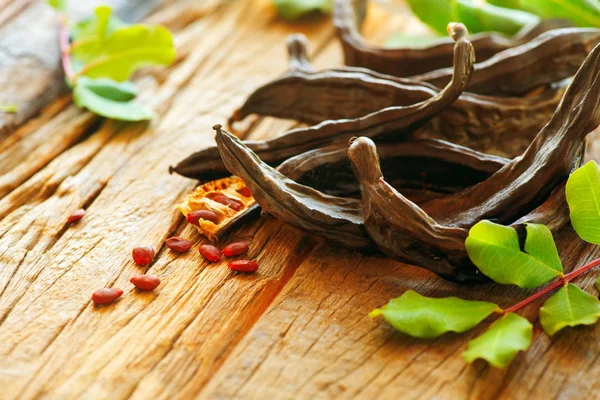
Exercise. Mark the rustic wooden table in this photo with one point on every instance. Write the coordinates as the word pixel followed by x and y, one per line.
pixel 296 329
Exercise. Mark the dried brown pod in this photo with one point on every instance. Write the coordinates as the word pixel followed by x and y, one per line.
pixel 498 125
pixel 402 120
pixel 349 15
pixel 432 234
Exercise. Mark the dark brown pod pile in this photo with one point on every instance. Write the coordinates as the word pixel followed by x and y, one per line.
pixel 398 187
pixel 432 234
pixel 349 16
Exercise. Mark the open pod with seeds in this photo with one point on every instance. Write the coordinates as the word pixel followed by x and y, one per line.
pixel 533 58
pixel 432 234
pixel 349 16
pixel 497 125
pixel 226 201
pixel 396 121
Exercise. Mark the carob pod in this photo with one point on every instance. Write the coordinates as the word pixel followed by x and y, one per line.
pixel 348 18
pixel 402 120
pixel 499 125
pixel 528 188
pixel 550 57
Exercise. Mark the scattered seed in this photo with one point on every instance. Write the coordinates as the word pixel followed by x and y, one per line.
pixel 235 249
pixel 195 216
pixel 180 245
pixel 228 201
pixel 210 252
pixel 143 255
pixel 243 266
pixel 106 295
pixel 76 216
pixel 244 192
pixel 145 282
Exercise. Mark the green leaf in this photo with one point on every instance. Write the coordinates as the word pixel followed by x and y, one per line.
pixel 124 51
pixel 501 342
pixel 60 5
pixel 294 9
pixel 435 13
pixel 96 28
pixel 109 89
pixel 487 17
pixel 411 41
pixel 427 318
pixel 8 108
pixel 494 249
pixel 476 17
pixel 580 12
pixel 570 306
pixel 583 196
pixel 91 94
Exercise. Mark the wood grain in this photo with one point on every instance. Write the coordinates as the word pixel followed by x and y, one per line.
pixel 296 329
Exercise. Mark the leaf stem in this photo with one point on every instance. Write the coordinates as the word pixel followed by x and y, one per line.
pixel 562 281
pixel 63 32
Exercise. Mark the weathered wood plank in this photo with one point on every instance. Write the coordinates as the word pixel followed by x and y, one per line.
pixel 56 343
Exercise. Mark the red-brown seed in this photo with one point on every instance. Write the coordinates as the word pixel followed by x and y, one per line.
pixel 107 295
pixel 235 249
pixel 195 216
pixel 210 252
pixel 228 201
pixel 244 192
pixel 180 245
pixel 143 255
pixel 76 216
pixel 145 282
pixel 243 266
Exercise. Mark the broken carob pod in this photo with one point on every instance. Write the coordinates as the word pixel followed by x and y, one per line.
pixel 550 57
pixel 402 120
pixel 219 205
pixel 348 17
pixel 426 168
pixel 499 125
pixel 433 235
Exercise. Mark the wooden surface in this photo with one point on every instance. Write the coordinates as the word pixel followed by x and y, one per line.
pixel 296 329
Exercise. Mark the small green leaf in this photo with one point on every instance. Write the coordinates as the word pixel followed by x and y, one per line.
pixel 494 249
pixel 126 50
pixel 583 196
pixel 412 41
pixel 425 317
pixel 60 5
pixel 109 89
pixel 294 9
pixel 88 93
pixel 501 342
pixel 570 306
pixel 8 108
